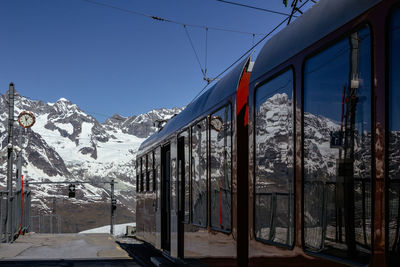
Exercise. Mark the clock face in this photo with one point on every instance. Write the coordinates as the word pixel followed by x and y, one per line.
pixel 216 123
pixel 26 119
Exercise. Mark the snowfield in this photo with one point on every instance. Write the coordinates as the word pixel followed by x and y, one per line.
pixel 119 229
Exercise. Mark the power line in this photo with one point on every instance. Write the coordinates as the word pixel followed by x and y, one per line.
pixel 294 9
pixel 248 51
pixel 194 50
pixel 253 7
pixel 167 20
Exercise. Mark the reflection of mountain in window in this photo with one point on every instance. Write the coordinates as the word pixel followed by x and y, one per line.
pixel 199 173
pixel 274 199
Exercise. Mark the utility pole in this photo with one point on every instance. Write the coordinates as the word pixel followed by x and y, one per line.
pixel 11 92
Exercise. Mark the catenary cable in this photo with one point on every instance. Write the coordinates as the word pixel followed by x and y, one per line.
pixel 167 20
pixel 247 52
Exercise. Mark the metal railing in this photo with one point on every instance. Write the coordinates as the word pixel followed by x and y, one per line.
pixel 274 218
pixel 49 223
pixel 324 209
pixel 14 216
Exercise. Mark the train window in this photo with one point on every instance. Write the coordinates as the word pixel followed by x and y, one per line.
pixel 154 174
pixel 184 175
pixel 274 201
pixel 221 169
pixel 157 174
pixel 337 149
pixel 142 173
pixel 393 192
pixel 199 173
pixel 146 172
pixel 150 168
pixel 137 175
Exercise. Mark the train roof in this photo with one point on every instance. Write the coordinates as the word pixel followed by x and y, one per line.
pixel 320 20
pixel 216 95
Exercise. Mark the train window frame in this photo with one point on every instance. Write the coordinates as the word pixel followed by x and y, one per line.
pixel 366 23
pixel 193 124
pixel 262 83
pixel 220 107
pixel 390 259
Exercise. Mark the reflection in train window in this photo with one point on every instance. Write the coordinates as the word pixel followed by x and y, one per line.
pixel 157 174
pixel 393 192
pixel 337 149
pixel 137 175
pixel 183 174
pixel 142 172
pixel 146 172
pixel 150 171
pixel 199 173
pixel 273 221
pixel 154 181
pixel 220 169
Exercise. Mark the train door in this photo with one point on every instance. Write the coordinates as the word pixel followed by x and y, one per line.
pixel 165 198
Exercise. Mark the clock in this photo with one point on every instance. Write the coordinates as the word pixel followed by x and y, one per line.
pixel 26 119
pixel 216 123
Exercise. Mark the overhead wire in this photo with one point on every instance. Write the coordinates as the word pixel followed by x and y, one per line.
pixel 167 20
pixel 253 7
pixel 247 52
pixel 294 9
pixel 194 50
pixel 185 25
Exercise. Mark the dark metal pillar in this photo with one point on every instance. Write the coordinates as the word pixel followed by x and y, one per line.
pixel 113 207
pixel 19 161
pixel 10 143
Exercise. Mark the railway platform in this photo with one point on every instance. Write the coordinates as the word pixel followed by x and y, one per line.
pixel 65 250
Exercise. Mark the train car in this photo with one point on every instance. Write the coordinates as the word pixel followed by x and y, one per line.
pixel 187 183
pixel 294 163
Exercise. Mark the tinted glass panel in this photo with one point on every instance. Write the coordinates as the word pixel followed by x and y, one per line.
pixel 137 175
pixel 393 192
pixel 337 149
pixel 183 176
pixel 150 171
pixel 154 171
pixel 221 168
pixel 199 173
pixel 157 174
pixel 146 172
pixel 142 173
pixel 274 160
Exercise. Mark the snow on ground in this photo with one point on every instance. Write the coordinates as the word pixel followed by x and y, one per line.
pixel 65 126
pixel 119 229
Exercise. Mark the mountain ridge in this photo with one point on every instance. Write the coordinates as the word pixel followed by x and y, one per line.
pixel 68 144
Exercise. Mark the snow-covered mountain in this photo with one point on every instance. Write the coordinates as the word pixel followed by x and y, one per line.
pixel 65 143
pixel 274 136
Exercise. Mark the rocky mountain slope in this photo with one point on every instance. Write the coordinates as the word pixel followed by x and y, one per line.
pixel 65 143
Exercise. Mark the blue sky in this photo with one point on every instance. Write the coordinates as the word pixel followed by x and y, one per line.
pixel 108 61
